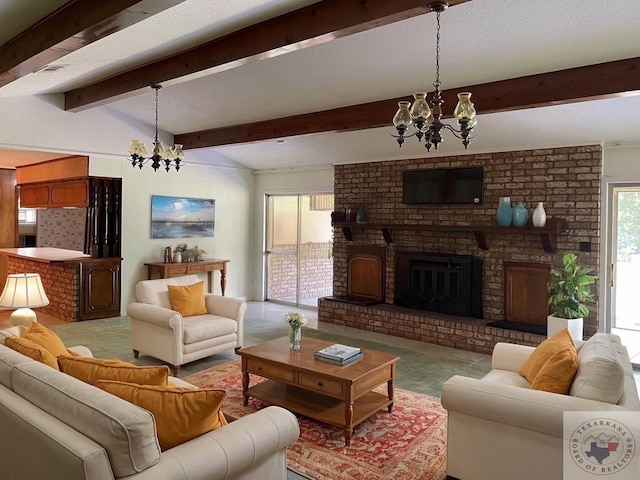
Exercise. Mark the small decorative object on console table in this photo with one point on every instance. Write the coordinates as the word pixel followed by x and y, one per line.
pixel 296 321
pixel 570 290
pixel 504 215
pixel 520 215
pixel 539 217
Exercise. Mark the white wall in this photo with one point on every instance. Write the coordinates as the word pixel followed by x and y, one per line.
pixel 231 188
pixel 620 165
pixel 271 183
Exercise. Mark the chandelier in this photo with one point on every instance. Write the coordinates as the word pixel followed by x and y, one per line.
pixel 162 156
pixel 425 119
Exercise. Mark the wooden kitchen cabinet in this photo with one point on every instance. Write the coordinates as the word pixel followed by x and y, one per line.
pixel 63 193
pixel 100 288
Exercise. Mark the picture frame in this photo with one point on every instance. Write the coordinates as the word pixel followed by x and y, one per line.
pixel 182 217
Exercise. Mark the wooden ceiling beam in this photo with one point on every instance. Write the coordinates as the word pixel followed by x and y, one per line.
pixel 72 26
pixel 320 22
pixel 605 80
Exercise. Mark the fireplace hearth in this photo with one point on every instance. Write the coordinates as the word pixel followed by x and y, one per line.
pixel 450 284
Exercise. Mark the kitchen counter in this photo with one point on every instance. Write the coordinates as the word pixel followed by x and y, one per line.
pixel 78 286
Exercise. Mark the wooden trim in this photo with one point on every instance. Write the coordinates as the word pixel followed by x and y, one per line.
pixel 76 166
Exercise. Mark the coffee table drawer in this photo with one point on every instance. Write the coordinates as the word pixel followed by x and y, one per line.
pixel 269 370
pixel 321 384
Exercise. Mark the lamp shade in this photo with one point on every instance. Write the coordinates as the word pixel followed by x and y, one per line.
pixel 23 290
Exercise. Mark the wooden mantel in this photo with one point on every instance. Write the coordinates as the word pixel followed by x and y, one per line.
pixel 548 233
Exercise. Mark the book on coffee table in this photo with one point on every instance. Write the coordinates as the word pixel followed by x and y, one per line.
pixel 338 352
pixel 346 361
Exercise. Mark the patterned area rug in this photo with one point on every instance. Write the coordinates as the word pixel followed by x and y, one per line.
pixel 407 444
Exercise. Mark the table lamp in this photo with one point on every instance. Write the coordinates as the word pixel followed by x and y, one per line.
pixel 23 291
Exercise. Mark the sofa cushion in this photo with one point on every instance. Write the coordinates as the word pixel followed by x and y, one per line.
pixel 188 300
pixel 600 373
pixel 32 350
pixel 543 352
pixel 557 373
pixel 125 431
pixel 181 413
pixel 38 333
pixel 90 370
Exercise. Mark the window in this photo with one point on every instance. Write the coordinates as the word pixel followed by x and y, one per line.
pixel 27 216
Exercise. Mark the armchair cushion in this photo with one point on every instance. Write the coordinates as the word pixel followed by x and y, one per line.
pixel 181 414
pixel 600 374
pixel 543 352
pixel 203 327
pixel 90 370
pixel 188 300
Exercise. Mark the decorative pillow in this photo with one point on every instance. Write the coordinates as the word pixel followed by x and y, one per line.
pixel 543 352
pixel 600 374
pixel 90 370
pixel 44 337
pixel 181 414
pixel 188 300
pixel 32 350
pixel 557 374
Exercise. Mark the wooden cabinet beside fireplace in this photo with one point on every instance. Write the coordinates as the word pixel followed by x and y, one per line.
pixel 100 288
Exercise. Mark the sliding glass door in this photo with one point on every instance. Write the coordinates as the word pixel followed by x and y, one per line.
pixel 299 243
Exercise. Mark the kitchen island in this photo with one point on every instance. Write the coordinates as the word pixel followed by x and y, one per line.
pixel 79 287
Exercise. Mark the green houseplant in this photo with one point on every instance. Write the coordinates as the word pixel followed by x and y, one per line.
pixel 569 293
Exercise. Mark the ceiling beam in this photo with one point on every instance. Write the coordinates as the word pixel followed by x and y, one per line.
pixel 318 23
pixel 72 26
pixel 604 80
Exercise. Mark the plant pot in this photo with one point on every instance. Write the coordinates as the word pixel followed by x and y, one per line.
pixel 574 325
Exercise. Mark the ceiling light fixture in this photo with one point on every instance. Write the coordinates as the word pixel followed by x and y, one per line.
pixel 426 120
pixel 162 156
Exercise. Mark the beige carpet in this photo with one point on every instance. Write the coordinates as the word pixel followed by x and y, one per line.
pixel 407 444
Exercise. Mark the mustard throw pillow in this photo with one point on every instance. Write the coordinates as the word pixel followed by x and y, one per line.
pixel 557 374
pixel 32 350
pixel 188 299
pixel 44 337
pixel 181 414
pixel 543 352
pixel 90 370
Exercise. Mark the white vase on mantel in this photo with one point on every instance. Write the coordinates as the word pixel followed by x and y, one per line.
pixel 539 217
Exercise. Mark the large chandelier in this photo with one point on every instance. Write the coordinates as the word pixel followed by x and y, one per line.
pixel 425 119
pixel 162 156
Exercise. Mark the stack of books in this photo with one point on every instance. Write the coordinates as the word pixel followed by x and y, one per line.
pixel 339 354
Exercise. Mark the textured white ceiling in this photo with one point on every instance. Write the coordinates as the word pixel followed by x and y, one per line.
pixel 482 41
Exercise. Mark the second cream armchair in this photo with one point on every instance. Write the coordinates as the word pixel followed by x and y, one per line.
pixel 161 332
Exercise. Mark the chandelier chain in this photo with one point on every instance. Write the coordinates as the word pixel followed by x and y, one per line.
pixel 437 82
pixel 156 87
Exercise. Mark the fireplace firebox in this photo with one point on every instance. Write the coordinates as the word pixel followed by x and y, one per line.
pixel 442 283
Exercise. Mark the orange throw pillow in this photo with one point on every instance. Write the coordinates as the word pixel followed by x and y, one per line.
pixel 181 414
pixel 557 374
pixel 543 352
pixel 188 300
pixel 44 337
pixel 32 350
pixel 90 370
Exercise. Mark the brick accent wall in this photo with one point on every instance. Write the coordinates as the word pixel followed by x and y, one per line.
pixel 61 284
pixel 566 180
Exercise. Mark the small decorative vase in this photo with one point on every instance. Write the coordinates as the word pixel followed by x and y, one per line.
pixel 504 215
pixel 177 257
pixel 520 216
pixel 539 217
pixel 295 333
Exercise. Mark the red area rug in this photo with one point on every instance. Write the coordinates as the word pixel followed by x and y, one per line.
pixel 407 444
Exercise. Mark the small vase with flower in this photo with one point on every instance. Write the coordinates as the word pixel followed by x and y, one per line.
pixel 296 321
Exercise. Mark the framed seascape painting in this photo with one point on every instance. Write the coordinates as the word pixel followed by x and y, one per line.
pixel 182 217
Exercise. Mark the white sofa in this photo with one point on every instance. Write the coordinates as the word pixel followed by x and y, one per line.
pixel 56 427
pixel 499 428
pixel 163 333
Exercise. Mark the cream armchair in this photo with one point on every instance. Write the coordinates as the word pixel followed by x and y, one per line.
pixel 163 333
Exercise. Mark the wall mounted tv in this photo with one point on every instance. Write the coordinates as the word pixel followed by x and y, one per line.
pixel 446 185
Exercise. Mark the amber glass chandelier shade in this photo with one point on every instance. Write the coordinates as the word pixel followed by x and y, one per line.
pixel 465 111
pixel 402 118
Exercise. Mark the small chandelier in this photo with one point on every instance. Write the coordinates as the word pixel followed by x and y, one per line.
pixel 162 156
pixel 426 120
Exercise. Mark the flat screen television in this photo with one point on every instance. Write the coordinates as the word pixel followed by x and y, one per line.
pixel 445 185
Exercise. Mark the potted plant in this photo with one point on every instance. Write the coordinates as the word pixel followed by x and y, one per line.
pixel 569 293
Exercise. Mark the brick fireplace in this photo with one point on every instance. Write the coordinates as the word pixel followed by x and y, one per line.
pixel 567 180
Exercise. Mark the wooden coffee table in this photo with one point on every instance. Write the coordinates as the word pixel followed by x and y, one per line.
pixel 341 396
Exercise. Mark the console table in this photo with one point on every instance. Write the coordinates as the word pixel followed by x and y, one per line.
pixel 168 270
